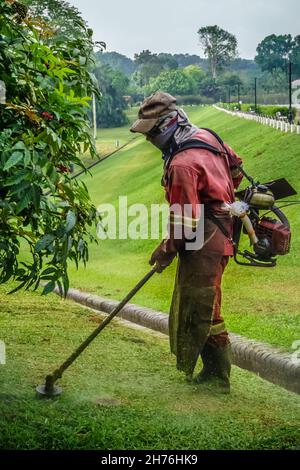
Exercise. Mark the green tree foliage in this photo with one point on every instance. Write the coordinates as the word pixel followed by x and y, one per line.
pixel 243 64
pixel 210 87
pixel 193 82
pixel 110 107
pixel 295 57
pixel 274 52
pixel 167 61
pixel 150 65
pixel 196 75
pixel 176 82
pixel 227 84
pixel 219 46
pixel 230 79
pixel 43 127
pixel 183 60
pixel 144 57
pixel 274 82
pixel 117 62
pixel 59 15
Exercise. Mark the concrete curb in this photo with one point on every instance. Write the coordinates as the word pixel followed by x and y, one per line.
pixel 269 363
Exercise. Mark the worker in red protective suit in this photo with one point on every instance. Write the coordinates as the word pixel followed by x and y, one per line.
pixel 202 180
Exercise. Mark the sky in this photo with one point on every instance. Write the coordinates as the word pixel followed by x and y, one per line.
pixel 130 26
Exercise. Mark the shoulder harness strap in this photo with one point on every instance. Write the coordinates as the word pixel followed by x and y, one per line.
pixel 198 144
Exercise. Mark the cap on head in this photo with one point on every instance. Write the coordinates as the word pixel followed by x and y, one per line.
pixel 152 110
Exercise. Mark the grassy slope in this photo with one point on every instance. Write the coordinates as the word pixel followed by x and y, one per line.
pixel 106 142
pixel 124 391
pixel 106 138
pixel 259 303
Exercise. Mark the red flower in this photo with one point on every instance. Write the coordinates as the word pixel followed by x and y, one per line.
pixel 63 169
pixel 47 115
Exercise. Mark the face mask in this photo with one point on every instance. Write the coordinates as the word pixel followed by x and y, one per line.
pixel 162 139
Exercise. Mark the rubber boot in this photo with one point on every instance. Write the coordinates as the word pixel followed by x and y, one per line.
pixel 216 367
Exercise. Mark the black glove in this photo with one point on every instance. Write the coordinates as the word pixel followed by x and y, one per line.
pixel 161 257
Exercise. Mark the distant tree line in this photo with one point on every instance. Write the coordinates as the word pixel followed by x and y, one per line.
pixel 219 75
pixel 183 75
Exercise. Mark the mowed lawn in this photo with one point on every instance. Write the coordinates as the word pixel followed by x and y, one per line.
pixel 263 304
pixel 124 391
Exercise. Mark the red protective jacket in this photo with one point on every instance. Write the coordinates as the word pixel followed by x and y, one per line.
pixel 198 176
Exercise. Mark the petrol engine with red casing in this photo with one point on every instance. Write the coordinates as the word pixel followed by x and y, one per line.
pixel 274 237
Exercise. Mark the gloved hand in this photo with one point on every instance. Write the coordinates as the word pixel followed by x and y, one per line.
pixel 162 257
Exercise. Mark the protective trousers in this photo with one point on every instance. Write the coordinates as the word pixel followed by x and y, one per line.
pixel 195 314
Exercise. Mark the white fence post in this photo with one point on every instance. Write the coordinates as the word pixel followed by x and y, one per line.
pixel 265 120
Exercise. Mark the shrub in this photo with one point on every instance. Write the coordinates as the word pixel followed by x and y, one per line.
pixel 264 110
pixel 43 125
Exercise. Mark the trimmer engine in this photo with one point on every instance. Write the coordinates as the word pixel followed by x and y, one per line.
pixel 269 236
pixel 274 238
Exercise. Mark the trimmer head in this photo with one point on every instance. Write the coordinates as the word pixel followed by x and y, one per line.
pixel 47 392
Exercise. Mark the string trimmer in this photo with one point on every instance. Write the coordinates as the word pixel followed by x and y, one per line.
pixel 49 389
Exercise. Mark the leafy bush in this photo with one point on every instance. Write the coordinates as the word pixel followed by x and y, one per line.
pixel 176 82
pixel 43 126
pixel 270 111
